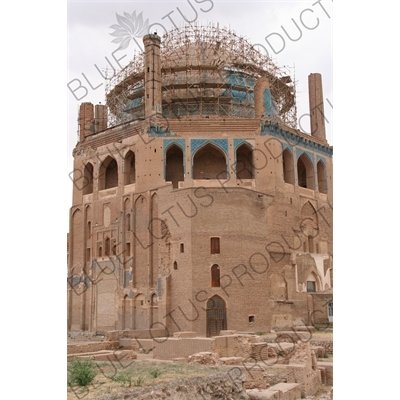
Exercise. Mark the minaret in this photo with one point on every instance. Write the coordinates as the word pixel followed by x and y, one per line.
pixel 86 120
pixel 316 99
pixel 152 80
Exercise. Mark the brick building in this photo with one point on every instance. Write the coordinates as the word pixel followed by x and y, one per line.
pixel 197 203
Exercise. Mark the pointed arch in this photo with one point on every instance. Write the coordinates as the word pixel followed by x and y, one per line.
pixel 88 178
pixel 111 175
pixel 209 162
pixel 287 163
pixel 174 169
pixel 321 175
pixel 129 168
pixel 108 173
pixel 244 162
pixel 216 316
pixel 305 172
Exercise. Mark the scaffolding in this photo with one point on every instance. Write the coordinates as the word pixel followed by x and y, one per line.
pixel 205 70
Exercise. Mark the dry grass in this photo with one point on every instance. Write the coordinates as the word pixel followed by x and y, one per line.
pixel 116 376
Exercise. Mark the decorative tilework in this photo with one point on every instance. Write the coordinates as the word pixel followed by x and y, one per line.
pixel 321 159
pixel 159 131
pixel 287 146
pixel 299 152
pixel 195 144
pixel 238 142
pixel 273 129
pixel 179 142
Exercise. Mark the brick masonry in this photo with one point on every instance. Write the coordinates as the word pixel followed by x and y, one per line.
pixel 139 245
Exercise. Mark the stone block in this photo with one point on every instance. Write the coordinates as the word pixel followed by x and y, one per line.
pixel 205 358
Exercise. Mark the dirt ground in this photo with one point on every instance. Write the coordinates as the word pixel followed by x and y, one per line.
pixel 116 377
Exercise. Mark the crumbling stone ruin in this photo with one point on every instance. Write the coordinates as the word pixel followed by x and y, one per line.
pixel 259 369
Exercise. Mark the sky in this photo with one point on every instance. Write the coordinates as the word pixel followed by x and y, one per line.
pixel 296 34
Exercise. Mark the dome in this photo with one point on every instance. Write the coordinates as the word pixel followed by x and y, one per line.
pixel 205 71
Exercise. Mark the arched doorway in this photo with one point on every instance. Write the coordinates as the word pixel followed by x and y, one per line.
pixel 216 316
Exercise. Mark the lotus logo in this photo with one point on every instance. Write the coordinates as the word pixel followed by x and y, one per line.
pixel 130 27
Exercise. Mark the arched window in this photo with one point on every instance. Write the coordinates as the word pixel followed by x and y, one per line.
pixel 287 161
pixel 108 174
pixel 215 276
pixel 107 247
pixel 128 222
pixel 244 162
pixel 305 172
pixel 88 179
pixel 175 265
pixel 129 168
pixel 100 251
pixel 209 162
pixel 174 165
pixel 321 174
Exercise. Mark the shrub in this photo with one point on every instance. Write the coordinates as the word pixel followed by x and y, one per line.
pixel 81 372
pixel 155 372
